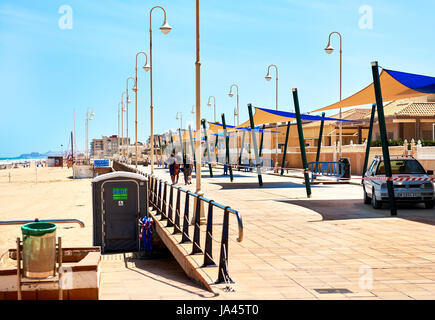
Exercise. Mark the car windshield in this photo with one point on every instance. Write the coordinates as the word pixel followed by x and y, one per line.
pixel 402 167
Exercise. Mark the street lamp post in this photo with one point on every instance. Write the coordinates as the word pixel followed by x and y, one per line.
pixel 201 219
pixel 214 104
pixel 128 102
pixel 236 111
pixel 268 78
pixel 122 123
pixel 179 116
pixel 119 121
pixel 88 117
pixel 165 28
pixel 329 49
pixel 231 95
pixel 147 68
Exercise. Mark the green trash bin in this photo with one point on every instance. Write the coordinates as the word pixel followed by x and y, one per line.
pixel 39 250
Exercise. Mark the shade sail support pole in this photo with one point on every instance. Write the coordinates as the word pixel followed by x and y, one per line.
pixel 319 145
pixel 384 140
pixel 285 147
pixel 369 140
pixel 301 142
pixel 227 147
pixel 254 142
pixel 241 149
pixel 261 142
pixel 208 148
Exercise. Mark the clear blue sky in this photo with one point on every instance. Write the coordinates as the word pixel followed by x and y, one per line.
pixel 46 72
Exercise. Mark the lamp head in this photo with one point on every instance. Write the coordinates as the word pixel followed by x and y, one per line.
pixel 134 89
pixel 230 94
pixel 165 28
pixel 209 104
pixel 329 49
pixel 268 77
pixel 147 67
pixel 128 101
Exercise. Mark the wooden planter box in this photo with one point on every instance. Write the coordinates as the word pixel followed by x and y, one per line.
pixel 83 282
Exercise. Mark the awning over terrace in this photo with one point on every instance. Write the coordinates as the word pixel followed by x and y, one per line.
pixel 233 128
pixel 395 85
pixel 263 116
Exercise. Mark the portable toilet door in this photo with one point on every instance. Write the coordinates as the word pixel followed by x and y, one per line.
pixel 120 201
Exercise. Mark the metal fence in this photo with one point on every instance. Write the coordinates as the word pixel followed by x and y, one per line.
pixel 165 199
pixel 326 168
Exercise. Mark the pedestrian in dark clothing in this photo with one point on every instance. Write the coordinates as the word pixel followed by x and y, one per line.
pixel 187 169
pixel 225 169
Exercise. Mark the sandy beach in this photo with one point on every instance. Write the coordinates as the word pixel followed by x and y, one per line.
pixel 45 193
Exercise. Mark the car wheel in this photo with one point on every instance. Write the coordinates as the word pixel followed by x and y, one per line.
pixel 429 204
pixel 375 203
pixel 367 199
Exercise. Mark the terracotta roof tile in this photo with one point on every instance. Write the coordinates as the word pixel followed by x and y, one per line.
pixel 418 109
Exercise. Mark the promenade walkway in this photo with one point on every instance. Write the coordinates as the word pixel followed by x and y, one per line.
pixel 292 245
pixel 331 246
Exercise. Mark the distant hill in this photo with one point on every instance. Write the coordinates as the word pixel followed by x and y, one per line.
pixel 32 155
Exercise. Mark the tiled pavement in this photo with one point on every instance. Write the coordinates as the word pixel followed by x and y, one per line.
pixel 294 245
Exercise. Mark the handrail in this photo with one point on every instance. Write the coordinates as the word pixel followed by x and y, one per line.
pixel 239 218
pixel 19 222
pixel 158 201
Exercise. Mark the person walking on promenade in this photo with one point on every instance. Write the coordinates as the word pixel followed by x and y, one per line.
pixel 178 161
pixel 225 169
pixel 187 169
pixel 172 163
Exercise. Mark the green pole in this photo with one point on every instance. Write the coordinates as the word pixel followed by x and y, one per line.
pixel 285 148
pixel 160 147
pixel 319 145
pixel 227 146
pixel 384 140
pixel 254 142
pixel 216 148
pixel 208 148
pixel 181 144
pixel 192 146
pixel 261 141
pixel 172 143
pixel 241 149
pixel 302 142
pixel 369 140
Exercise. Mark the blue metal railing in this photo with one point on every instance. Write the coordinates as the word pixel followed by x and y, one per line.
pixel 326 168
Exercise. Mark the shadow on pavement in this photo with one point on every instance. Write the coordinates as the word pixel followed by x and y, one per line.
pixel 164 265
pixel 266 185
pixel 356 209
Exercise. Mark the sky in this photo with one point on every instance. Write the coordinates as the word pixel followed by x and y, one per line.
pixel 48 72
